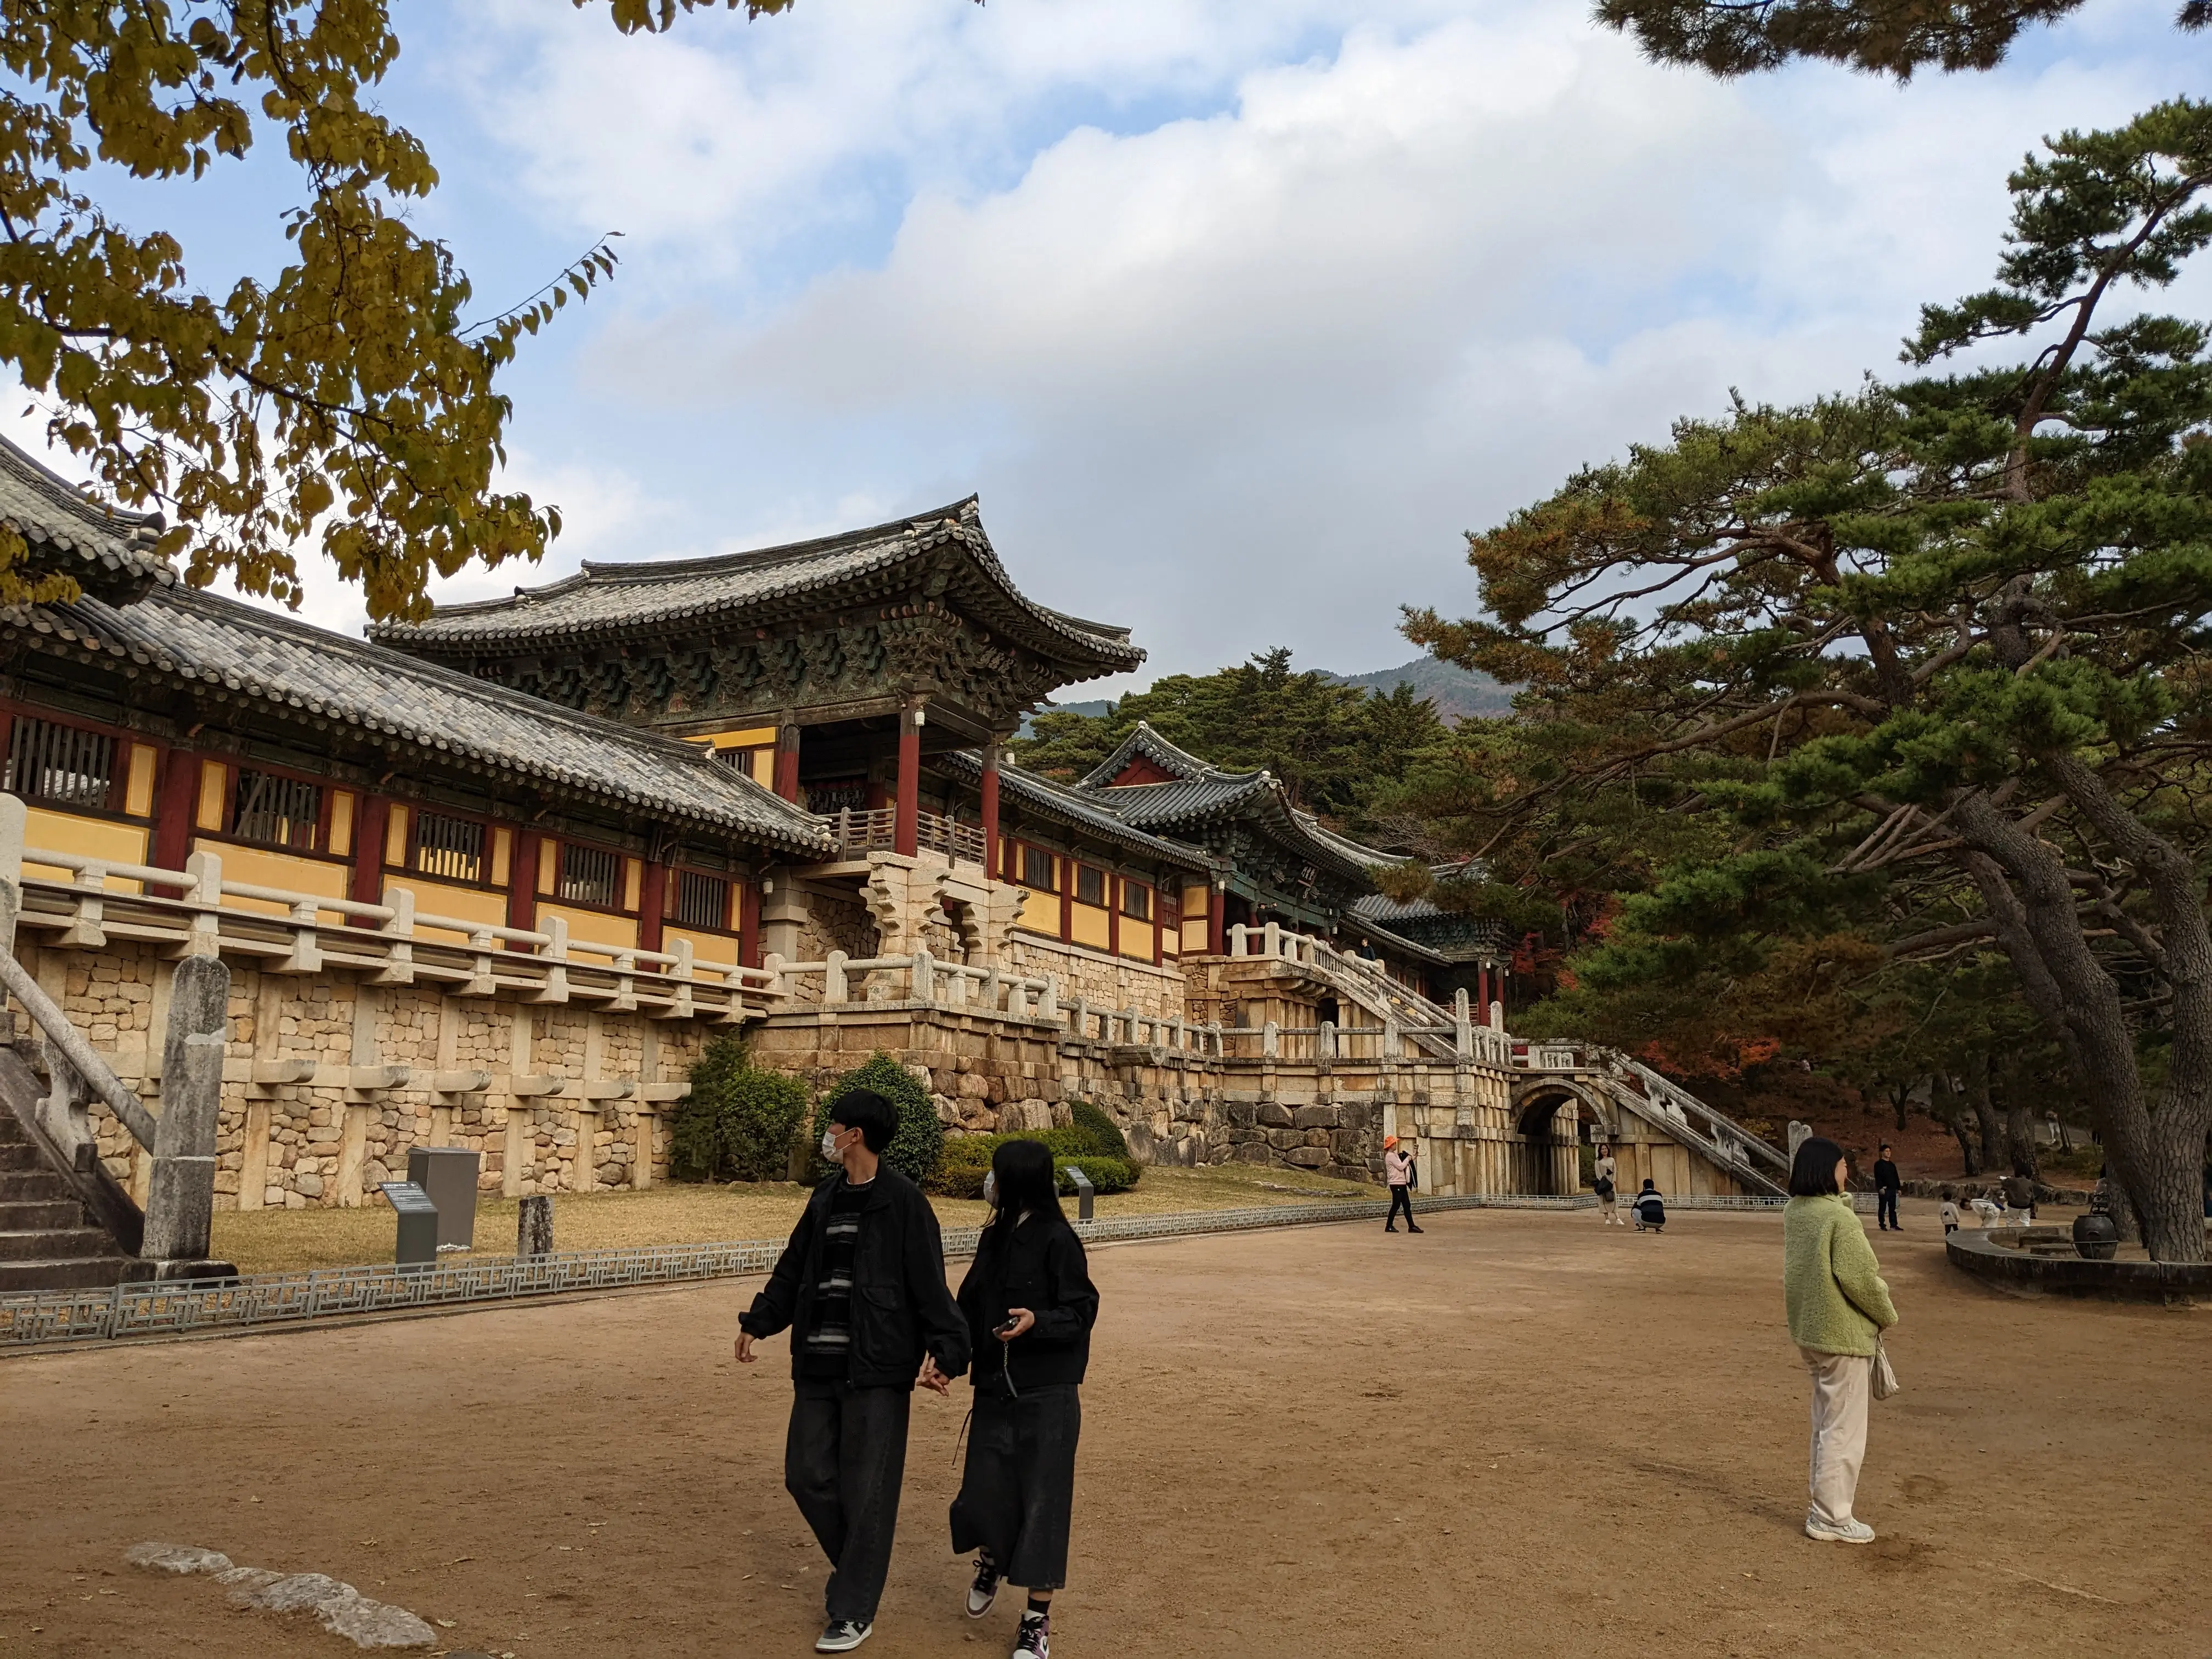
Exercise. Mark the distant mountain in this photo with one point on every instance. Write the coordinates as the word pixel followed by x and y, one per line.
pixel 1457 692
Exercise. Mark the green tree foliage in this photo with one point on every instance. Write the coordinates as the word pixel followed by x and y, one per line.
pixel 346 402
pixel 916 1149
pixel 1335 747
pixel 1932 655
pixel 1883 37
pixel 738 1122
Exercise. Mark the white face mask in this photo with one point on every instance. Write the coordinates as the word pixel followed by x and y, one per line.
pixel 991 1188
pixel 830 1145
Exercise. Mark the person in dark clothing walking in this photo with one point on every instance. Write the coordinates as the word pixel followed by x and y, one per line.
pixel 1030 1306
pixel 1886 1186
pixel 861 1287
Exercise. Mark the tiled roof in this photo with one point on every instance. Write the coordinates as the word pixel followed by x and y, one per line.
pixel 1146 744
pixel 1184 802
pixel 608 601
pixel 109 549
pixel 291 666
pixel 1086 812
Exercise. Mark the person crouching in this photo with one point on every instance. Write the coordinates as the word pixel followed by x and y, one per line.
pixel 1030 1305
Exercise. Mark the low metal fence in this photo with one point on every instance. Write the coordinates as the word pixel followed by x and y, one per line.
pixel 266 1301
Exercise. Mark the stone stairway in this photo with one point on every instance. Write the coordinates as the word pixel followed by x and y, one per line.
pixel 47 1242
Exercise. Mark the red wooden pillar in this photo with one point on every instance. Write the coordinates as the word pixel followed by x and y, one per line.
pixel 1482 994
pixel 1217 928
pixel 174 810
pixel 1114 890
pixel 786 761
pixel 749 937
pixel 368 833
pixel 1067 901
pixel 906 824
pixel 522 883
pixel 652 905
pixel 991 808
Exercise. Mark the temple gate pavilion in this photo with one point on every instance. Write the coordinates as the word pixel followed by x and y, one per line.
pixel 494 879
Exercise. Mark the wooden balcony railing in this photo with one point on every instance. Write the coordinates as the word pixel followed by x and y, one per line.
pixel 875 830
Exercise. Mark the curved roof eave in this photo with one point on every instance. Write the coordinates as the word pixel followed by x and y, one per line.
pixel 1051 796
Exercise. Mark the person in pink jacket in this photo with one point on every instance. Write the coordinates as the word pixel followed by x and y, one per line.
pixel 1398 1175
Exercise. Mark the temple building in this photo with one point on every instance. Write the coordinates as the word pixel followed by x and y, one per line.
pixel 495 878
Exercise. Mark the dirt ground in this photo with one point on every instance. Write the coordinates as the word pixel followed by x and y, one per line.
pixel 1516 1434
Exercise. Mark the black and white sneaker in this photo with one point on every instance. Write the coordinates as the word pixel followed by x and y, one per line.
pixel 1035 1639
pixel 985 1589
pixel 843 1635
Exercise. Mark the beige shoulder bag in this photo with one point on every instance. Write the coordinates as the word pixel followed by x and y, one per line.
pixel 1885 1374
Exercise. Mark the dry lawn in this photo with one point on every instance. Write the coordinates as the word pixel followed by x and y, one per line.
pixel 276 1241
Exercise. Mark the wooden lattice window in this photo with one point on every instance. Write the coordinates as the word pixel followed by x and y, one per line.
pixel 1137 900
pixel 50 762
pixel 702 901
pixel 449 846
pixel 1089 884
pixel 277 811
pixel 1036 869
pixel 589 876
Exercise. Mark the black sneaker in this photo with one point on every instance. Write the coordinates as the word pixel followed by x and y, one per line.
pixel 843 1635
pixel 1411 1228
pixel 1035 1639
pixel 985 1589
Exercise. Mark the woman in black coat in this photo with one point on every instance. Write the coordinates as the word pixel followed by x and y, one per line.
pixel 1030 1306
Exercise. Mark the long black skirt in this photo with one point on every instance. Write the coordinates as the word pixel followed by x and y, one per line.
pixel 1018 1488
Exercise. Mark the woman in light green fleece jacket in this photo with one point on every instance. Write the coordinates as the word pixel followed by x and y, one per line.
pixel 1838 1306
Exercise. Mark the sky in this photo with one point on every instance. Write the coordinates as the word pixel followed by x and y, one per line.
pixel 1235 313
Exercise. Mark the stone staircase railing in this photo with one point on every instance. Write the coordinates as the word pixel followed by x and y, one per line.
pixel 171 1236
pixel 1407 1016
pixel 1667 1106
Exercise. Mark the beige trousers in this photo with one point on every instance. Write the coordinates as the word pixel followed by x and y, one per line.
pixel 1842 1385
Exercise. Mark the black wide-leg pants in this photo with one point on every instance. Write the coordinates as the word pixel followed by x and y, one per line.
pixel 1402 1198
pixel 844 1461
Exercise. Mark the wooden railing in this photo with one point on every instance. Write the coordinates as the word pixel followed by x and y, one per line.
pixel 875 830
pixel 393 943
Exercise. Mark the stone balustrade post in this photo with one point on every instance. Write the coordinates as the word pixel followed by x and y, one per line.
pixel 834 991
pixel 1082 1027
pixel 1048 997
pixel 180 1194
pixel 1237 943
pixel 1325 1047
pixel 1271 939
pixel 1391 1046
pixel 921 975
pixel 1497 1016
pixel 1271 1042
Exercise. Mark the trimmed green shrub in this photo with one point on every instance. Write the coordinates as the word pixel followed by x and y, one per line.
pixel 738 1122
pixel 960 1172
pixel 1108 1175
pixel 916 1149
pixel 1106 1140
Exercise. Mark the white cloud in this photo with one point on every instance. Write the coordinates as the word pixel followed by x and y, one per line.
pixel 1242 378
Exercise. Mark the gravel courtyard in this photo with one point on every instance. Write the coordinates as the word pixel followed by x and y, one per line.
pixel 1516 1434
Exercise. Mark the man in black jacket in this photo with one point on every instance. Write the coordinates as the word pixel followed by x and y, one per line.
pixel 1886 1185
pixel 861 1287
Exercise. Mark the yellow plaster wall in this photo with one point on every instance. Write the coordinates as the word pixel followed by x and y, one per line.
pixel 342 823
pixel 1091 928
pixel 1193 934
pixel 1040 912
pixel 441 898
pixel 596 926
pixel 705 947
pixel 139 788
pixel 214 780
pixel 1136 938
pixel 502 850
pixel 260 868
pixel 91 838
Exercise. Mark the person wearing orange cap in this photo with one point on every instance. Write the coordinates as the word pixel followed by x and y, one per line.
pixel 1398 1175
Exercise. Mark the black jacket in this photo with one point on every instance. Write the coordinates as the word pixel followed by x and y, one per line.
pixel 1885 1176
pixel 1040 1266
pixel 900 1305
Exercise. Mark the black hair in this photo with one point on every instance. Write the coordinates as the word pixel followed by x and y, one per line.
pixel 864 1109
pixel 1813 1171
pixel 1023 1171
pixel 1648 1186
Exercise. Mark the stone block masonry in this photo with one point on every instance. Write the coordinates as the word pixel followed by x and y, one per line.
pixel 329 1080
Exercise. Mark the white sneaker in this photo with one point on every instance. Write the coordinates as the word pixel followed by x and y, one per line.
pixel 1842 1532
pixel 843 1635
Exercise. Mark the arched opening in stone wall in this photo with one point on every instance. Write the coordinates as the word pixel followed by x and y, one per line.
pixel 1549 1132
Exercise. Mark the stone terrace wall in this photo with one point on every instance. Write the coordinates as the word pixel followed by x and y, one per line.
pixel 321 1143
pixel 1106 981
